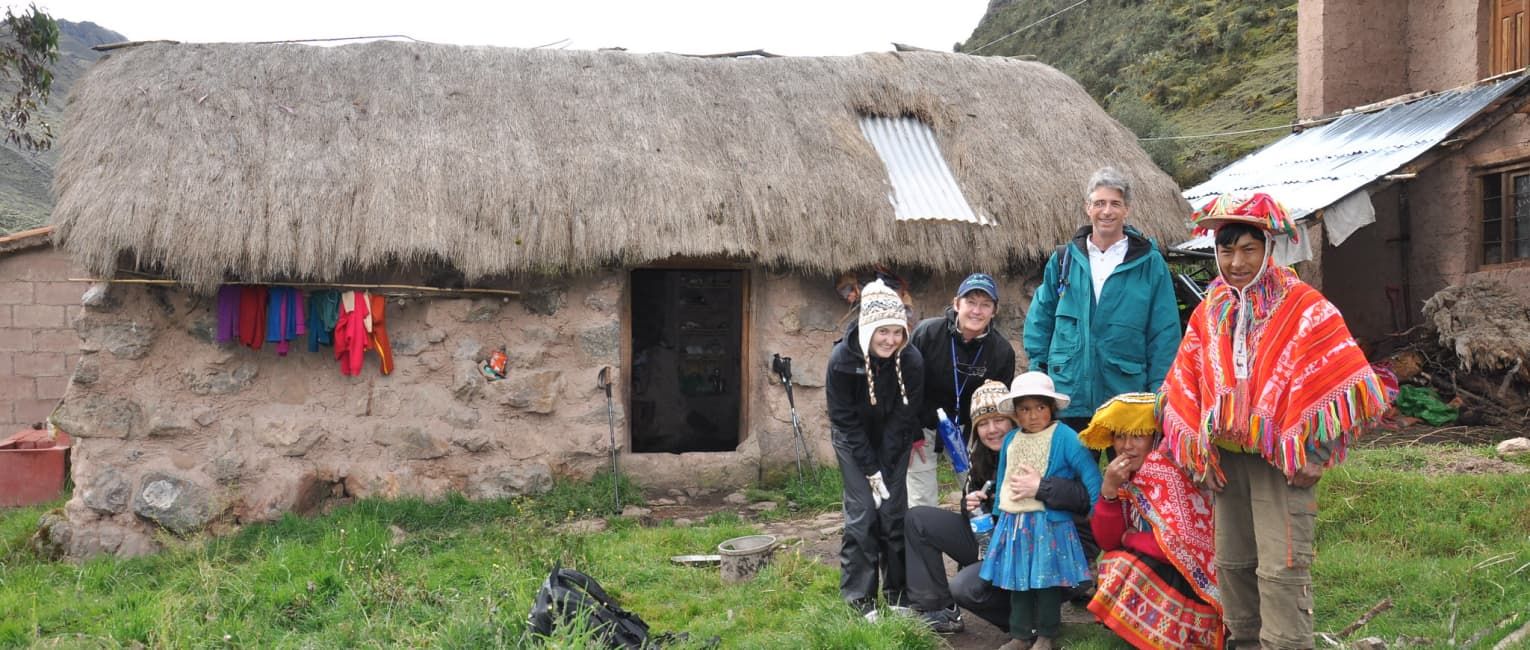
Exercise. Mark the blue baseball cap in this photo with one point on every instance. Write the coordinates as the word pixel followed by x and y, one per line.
pixel 979 282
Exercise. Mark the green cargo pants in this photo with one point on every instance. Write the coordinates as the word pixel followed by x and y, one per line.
pixel 1264 532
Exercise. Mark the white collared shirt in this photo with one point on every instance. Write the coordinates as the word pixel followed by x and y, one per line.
pixel 1103 262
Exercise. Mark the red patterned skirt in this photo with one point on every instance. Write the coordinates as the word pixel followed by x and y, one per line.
pixel 1140 606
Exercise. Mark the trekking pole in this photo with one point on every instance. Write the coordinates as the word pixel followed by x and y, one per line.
pixel 604 379
pixel 782 366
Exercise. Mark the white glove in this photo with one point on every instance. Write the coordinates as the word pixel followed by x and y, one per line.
pixel 879 491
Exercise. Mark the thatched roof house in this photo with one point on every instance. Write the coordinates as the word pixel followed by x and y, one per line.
pixel 677 219
pixel 298 162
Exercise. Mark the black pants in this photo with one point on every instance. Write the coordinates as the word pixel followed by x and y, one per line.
pixel 933 533
pixel 873 539
pixel 1036 612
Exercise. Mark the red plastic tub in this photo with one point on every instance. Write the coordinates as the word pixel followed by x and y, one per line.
pixel 33 466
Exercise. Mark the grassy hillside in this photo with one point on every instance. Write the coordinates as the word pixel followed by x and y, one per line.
pixel 25 176
pixel 1164 67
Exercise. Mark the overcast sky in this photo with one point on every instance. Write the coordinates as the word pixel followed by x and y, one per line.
pixel 796 27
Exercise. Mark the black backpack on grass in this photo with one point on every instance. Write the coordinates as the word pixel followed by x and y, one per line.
pixel 568 594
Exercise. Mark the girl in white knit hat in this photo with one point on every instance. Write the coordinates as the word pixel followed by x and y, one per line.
pixel 874 388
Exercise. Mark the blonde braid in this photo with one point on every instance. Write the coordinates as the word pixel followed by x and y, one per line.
pixel 871 384
pixel 898 366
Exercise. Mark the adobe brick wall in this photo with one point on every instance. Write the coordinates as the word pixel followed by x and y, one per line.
pixel 38 344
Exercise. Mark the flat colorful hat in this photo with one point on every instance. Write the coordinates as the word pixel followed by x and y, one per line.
pixel 988 403
pixel 1130 414
pixel 1259 210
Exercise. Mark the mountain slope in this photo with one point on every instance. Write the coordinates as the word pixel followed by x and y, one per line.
pixel 1165 67
pixel 25 176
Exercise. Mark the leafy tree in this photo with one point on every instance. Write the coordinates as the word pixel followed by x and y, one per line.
pixel 27 52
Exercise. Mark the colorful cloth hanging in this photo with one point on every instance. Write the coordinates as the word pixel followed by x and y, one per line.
pixel 323 312
pixel 228 313
pixel 252 316
pixel 284 317
pixel 379 335
pixel 351 331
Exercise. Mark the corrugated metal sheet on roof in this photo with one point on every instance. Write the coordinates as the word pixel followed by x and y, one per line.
pixel 1310 170
pixel 922 184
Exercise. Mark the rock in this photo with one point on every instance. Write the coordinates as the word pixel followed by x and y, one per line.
pixel 676 492
pixel 178 505
pixel 536 334
pixel 53 536
pixel 683 522
pixel 544 301
pixel 99 416
pixel 87 372
pixel 409 344
pixel 582 527
pixel 125 341
pixel 203 329
pixel 830 531
pixel 790 323
pixel 636 512
pixel 462 417
pixel 513 481
pixel 536 392
pixel 1514 447
pixel 468 382
pixel 99 297
pixel 397 536
pixel 763 506
pixel 528 356
pixel 205 417
pixel 413 443
pixel 435 335
pixel 737 499
pixel 469 350
pixel 108 493
pixel 1370 643
pixel 220 381
pixel 663 501
pixel 474 443
pixel 698 492
pixel 227 467
pixel 287 438
pixel 601 342
pixel 483 310
pixel 597 302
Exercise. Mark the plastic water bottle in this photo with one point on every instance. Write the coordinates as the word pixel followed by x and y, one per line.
pixel 982 523
pixel 951 437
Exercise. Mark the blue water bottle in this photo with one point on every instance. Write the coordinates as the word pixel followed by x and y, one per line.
pixel 982 523
pixel 951 437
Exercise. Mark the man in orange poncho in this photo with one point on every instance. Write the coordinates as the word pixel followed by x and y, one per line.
pixel 1268 390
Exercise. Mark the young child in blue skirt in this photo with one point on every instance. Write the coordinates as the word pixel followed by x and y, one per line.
pixel 1035 551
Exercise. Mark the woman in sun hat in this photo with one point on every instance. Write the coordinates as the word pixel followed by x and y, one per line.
pixel 874 389
pixel 1267 390
pixel 1157 583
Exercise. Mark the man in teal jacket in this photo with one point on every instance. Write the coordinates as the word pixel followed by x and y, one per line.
pixel 1104 321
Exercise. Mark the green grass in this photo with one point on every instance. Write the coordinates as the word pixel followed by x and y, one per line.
pixel 462 573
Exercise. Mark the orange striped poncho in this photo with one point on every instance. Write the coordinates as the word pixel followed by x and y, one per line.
pixel 1308 387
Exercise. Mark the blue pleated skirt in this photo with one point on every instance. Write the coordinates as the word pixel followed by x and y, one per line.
pixel 1028 551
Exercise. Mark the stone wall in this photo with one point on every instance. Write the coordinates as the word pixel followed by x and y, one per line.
pixel 176 432
pixel 38 348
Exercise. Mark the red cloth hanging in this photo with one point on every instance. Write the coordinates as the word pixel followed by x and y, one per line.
pixel 351 332
pixel 379 338
pixel 252 315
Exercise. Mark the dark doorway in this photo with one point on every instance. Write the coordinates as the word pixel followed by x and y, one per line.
pixel 687 337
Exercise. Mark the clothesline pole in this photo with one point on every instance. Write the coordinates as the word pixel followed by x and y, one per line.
pixel 328 285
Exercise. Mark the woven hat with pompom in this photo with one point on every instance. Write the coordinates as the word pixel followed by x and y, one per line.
pixel 1131 414
pixel 988 402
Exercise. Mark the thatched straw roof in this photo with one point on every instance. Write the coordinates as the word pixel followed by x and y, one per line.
pixel 304 163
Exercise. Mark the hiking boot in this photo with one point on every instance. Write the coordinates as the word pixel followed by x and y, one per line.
pixel 1042 643
pixel 1018 644
pixel 944 621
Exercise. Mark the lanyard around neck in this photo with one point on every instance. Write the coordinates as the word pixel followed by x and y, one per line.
pixel 959 382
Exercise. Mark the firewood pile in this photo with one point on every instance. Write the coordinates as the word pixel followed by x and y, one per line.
pixel 1472 349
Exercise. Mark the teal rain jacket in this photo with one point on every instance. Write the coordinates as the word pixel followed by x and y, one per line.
pixel 1121 344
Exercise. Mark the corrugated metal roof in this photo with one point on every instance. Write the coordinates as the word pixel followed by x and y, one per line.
pixel 1310 170
pixel 922 184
